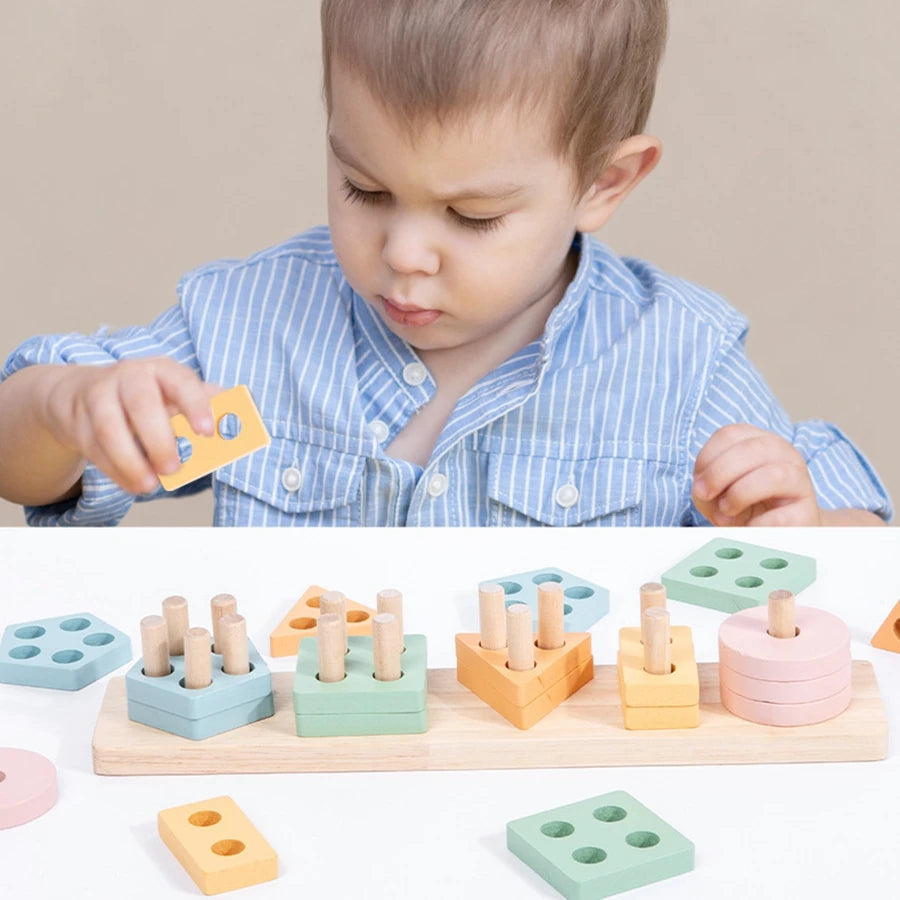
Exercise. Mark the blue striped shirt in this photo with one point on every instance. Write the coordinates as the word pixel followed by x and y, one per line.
pixel 597 423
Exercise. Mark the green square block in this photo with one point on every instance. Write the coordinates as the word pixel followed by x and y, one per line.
pixel 599 847
pixel 359 692
pixel 362 723
pixel 730 576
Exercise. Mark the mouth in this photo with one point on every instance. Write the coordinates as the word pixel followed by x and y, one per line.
pixel 408 313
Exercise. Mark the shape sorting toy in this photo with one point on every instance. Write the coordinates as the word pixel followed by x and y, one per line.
pixel 888 635
pixel 218 845
pixel 303 617
pixel 600 846
pixel 585 603
pixel 66 652
pixel 27 786
pixel 239 430
pixel 730 575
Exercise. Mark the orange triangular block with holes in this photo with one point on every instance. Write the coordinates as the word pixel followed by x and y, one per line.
pixel 888 636
pixel 303 618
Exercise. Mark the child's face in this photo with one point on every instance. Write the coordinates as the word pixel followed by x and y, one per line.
pixel 442 265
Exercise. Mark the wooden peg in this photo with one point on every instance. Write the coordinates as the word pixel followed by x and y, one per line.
pixel 175 612
pixel 220 605
pixel 386 647
pixel 391 601
pixel 657 647
pixel 782 622
pixel 335 603
pixel 551 630
pixel 155 646
pixel 652 594
pixel 520 638
pixel 234 648
pixel 492 616
pixel 197 659
pixel 331 639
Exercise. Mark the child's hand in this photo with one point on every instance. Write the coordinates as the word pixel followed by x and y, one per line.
pixel 118 416
pixel 748 476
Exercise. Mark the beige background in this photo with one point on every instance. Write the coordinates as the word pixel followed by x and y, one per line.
pixel 142 139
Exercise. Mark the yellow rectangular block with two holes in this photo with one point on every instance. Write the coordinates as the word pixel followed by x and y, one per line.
pixel 218 845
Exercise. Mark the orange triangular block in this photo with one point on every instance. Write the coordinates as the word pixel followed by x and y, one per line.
pixel 888 636
pixel 302 621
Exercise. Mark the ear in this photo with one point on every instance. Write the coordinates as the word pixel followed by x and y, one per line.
pixel 634 158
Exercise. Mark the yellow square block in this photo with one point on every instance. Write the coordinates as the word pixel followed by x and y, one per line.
pixel 680 687
pixel 302 621
pixel 652 718
pixel 217 845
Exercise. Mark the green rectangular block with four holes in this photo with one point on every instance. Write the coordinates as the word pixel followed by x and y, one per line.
pixel 600 847
pixel 730 575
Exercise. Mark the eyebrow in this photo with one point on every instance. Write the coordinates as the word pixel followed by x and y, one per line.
pixel 501 191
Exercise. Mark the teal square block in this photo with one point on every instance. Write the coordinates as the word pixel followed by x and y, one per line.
pixel 228 702
pixel 730 575
pixel 360 704
pixel 599 847
pixel 65 652
pixel 584 604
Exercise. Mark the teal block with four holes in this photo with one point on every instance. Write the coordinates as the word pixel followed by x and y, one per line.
pixel 599 847
pixel 584 603
pixel 66 652
pixel 730 575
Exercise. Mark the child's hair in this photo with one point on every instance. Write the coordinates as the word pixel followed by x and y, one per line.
pixel 591 63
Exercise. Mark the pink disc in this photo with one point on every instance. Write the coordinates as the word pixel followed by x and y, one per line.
pixel 27 786
pixel 785 713
pixel 820 647
pixel 785 691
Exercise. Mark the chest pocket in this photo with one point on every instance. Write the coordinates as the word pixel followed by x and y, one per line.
pixel 544 491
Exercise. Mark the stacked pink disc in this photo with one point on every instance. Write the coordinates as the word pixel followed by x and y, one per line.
pixel 785 664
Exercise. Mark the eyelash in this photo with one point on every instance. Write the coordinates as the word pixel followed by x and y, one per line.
pixel 370 198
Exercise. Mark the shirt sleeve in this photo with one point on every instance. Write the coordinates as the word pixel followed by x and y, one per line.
pixel 842 476
pixel 102 501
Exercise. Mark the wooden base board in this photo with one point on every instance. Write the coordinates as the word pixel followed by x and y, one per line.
pixel 465 733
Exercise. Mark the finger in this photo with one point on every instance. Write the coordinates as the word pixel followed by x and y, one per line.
pixel 722 439
pixel 184 391
pixel 736 461
pixel 791 514
pixel 769 483
pixel 100 459
pixel 145 409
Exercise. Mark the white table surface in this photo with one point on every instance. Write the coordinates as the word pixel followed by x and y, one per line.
pixel 801 830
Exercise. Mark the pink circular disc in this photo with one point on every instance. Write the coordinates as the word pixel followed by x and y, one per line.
pixel 821 646
pixel 785 713
pixel 785 691
pixel 27 786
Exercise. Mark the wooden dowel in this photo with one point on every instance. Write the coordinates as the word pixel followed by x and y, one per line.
pixel 391 601
pixel 386 647
pixel 551 630
pixel 331 647
pixel 652 594
pixel 234 648
pixel 782 623
pixel 175 612
pixel 155 646
pixel 335 603
pixel 655 630
pixel 520 638
pixel 197 659
pixel 492 616
pixel 220 605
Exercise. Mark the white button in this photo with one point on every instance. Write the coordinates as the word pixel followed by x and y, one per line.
pixel 437 485
pixel 414 374
pixel 380 430
pixel 567 495
pixel 290 479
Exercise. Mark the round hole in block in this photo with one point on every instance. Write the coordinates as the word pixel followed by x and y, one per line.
pixel 729 553
pixel 67 656
pixel 589 855
pixel 510 587
pixel 533 665
pixel 182 683
pixel 357 615
pixel 76 624
pixel 896 627
pixel 642 839
pixel 703 571
pixel 748 581
pixel 184 448
pixel 304 623
pixel 30 632
pixel 228 675
pixel 609 814
pixel 100 639
pixel 796 632
pixel 774 563
pixel 229 427
pixel 228 847
pixel 171 670
pixel 544 577
pixel 205 818
pixel 26 652
pixel 314 602
pixel 331 682
pixel 557 829
pixel 579 592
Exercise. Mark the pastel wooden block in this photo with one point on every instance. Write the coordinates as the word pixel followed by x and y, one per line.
pixel 65 652
pixel 599 847
pixel 786 714
pixel 218 845
pixel 821 646
pixel 785 691
pixel 488 667
pixel 650 718
pixel 888 635
pixel 681 687
pixel 302 619
pixel 240 433
pixel 360 724
pixel 585 603
pixel 731 575
pixel 27 786
pixel 525 716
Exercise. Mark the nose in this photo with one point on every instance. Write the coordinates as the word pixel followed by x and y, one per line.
pixel 408 250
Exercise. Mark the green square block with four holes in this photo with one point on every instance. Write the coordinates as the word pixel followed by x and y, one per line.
pixel 730 576
pixel 599 847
